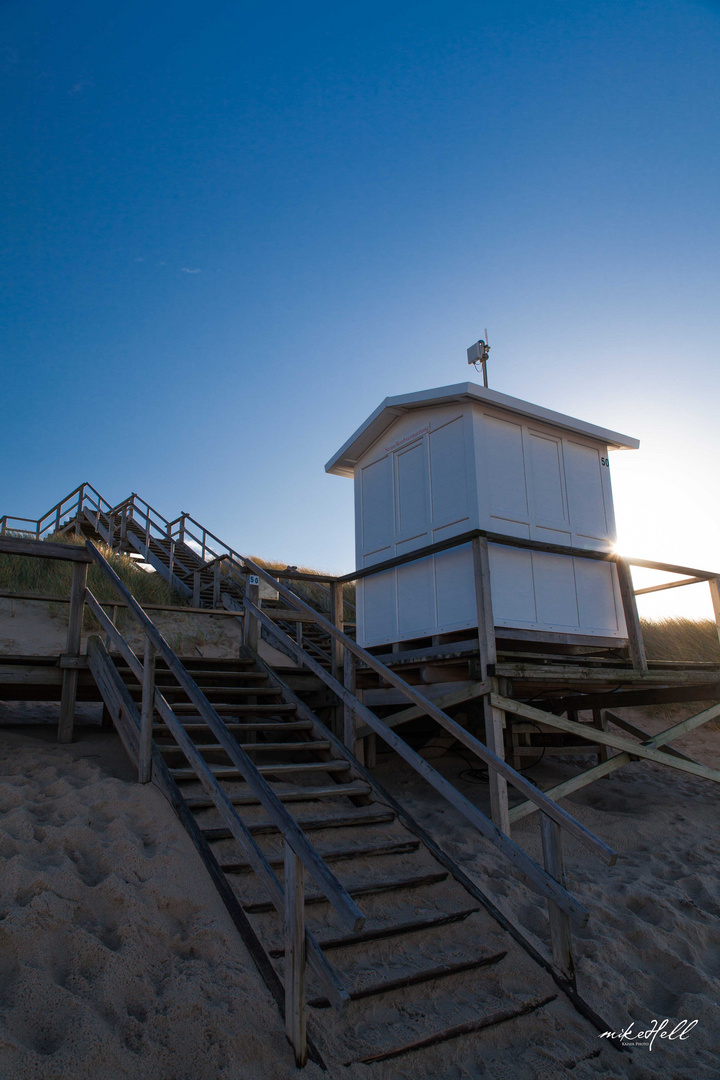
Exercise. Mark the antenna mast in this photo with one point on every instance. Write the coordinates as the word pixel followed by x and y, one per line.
pixel 477 355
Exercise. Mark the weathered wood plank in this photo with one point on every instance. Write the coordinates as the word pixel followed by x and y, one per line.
pixel 632 619
pixel 74 638
pixel 485 826
pixel 560 936
pixel 43 549
pixel 146 714
pixel 468 692
pixel 616 741
pixel 295 1017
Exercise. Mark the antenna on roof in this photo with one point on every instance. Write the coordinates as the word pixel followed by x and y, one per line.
pixel 478 355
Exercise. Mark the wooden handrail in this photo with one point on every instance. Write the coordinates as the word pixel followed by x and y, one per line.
pixel 327 881
pixel 527 865
pixel 483 752
pixel 44 549
pixel 245 839
pixel 518 542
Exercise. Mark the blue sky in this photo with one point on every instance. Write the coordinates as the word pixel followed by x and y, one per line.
pixel 230 229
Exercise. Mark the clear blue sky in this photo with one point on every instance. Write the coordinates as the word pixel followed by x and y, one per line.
pixel 230 229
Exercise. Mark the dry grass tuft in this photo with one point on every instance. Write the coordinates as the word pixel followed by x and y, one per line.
pixel 681 639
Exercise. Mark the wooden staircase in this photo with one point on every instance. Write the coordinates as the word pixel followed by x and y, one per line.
pixel 429 965
pixel 267 792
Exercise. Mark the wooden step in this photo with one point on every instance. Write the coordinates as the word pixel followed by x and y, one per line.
pixel 429 975
pixel 211 692
pixel 228 707
pixel 371 851
pixel 260 725
pixel 360 890
pixel 320 744
pixel 468 1028
pixel 399 930
pixel 302 794
pixel 339 821
pixel 229 772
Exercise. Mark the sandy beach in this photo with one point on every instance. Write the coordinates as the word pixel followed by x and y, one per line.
pixel 119 959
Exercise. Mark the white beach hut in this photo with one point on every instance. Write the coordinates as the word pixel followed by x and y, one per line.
pixel 439 463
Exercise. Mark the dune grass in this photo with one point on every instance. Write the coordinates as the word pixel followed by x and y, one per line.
pixel 52 577
pixel 681 639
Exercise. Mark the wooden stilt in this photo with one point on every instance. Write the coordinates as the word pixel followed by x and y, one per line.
pixel 252 631
pixel 494 718
pixel 632 619
pixel 714 584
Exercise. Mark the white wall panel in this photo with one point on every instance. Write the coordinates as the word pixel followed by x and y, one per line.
pixel 505 471
pixel 379 608
pixel 448 473
pixel 585 490
pixel 412 487
pixel 555 597
pixel 377 505
pixel 546 479
pixel 597 599
pixel 416 598
pixel 513 589
pixel 455 588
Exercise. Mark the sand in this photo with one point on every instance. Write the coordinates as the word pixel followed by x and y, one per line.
pixel 117 958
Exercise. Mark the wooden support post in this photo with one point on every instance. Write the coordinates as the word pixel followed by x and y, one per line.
pixel 350 683
pixel 560 934
pixel 295 1022
pixel 494 718
pixel 216 585
pixel 171 564
pixel 632 619
pixel 252 629
pixel 74 637
pixel 600 722
pixel 196 588
pixel 337 619
pixel 146 715
pixel 714 584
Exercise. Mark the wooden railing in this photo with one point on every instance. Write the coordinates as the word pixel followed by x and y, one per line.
pixel 300 856
pixel 564 909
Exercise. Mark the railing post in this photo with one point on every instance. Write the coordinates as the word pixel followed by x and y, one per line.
pixel 560 934
pixel 337 619
pixel 216 585
pixel 147 534
pixel 196 588
pixel 295 1025
pixel 146 715
pixel 350 683
pixel 181 530
pixel 123 524
pixel 72 649
pixel 113 616
pixel 632 619
pixel 171 563
pixel 494 718
pixel 714 584
pixel 252 627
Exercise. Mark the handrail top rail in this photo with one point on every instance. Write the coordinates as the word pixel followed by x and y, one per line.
pixel 43 549
pixel 520 542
